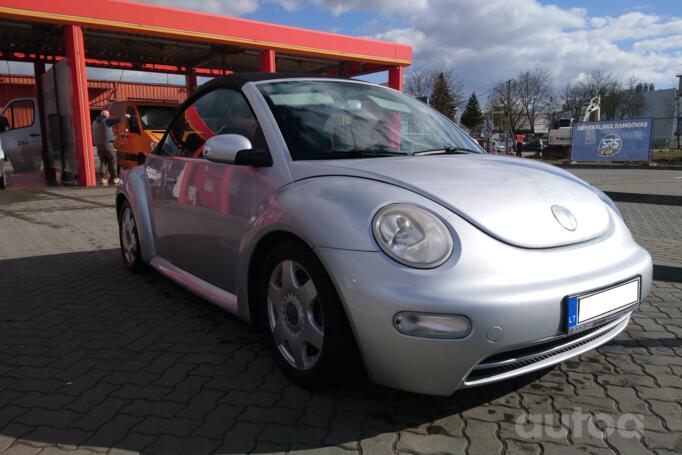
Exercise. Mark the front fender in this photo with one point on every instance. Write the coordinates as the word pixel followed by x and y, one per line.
pixel 325 212
pixel 333 211
pixel 134 189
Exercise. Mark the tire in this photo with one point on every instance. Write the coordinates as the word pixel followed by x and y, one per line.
pixel 129 239
pixel 303 319
pixel 2 182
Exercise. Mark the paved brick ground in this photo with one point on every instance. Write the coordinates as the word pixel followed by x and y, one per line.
pixel 95 360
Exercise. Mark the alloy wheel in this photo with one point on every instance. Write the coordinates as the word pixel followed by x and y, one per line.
pixel 128 236
pixel 295 315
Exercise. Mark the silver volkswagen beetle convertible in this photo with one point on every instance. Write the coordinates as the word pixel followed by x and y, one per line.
pixel 359 227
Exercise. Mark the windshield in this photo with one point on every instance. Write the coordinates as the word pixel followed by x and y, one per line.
pixel 335 119
pixel 156 117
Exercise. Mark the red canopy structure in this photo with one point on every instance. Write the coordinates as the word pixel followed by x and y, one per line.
pixel 134 36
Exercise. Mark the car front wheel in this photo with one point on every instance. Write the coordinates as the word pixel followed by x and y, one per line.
pixel 303 318
pixel 130 241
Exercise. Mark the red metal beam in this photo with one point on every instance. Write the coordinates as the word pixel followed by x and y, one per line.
pixel 395 78
pixel 95 63
pixel 356 69
pixel 267 61
pixel 75 56
pixel 191 82
pixel 154 20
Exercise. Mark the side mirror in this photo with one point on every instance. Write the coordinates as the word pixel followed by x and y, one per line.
pixel 234 149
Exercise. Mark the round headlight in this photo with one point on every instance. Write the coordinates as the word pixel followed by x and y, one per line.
pixel 412 236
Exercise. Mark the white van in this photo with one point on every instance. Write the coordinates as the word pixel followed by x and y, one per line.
pixel 20 134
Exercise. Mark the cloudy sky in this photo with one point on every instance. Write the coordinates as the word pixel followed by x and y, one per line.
pixel 487 41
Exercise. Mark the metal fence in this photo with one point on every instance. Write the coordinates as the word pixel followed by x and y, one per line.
pixel 664 134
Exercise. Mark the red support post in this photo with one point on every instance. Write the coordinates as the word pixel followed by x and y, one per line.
pixel 80 104
pixel 191 81
pixel 267 61
pixel 38 71
pixel 395 78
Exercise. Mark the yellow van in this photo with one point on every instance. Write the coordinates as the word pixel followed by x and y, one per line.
pixel 137 136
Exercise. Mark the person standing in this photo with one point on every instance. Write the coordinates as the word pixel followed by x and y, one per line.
pixel 103 138
pixel 519 144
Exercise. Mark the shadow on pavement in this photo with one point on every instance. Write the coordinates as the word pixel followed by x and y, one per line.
pixel 648 343
pixel 640 198
pixel 91 355
pixel 668 273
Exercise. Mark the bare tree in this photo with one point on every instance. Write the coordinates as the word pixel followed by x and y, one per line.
pixel 555 107
pixel 602 84
pixel 598 83
pixel 573 100
pixel 533 90
pixel 631 100
pixel 419 83
pixel 618 100
pixel 506 105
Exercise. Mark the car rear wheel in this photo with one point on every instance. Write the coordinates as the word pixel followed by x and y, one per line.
pixel 130 241
pixel 2 182
pixel 304 321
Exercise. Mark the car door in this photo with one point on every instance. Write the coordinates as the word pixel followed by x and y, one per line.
pixel 134 133
pixel 122 131
pixel 21 135
pixel 200 208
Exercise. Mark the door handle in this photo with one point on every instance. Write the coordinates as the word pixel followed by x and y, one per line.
pixel 34 135
pixel 171 180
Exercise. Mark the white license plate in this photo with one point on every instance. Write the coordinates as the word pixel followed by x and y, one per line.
pixel 585 307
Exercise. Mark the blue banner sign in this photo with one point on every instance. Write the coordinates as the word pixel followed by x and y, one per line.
pixel 616 140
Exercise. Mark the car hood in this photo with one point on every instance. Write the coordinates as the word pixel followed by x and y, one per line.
pixel 511 199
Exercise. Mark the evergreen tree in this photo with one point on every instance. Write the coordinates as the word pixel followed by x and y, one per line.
pixel 472 117
pixel 441 97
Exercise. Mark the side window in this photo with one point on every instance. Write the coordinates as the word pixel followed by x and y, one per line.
pixel 19 114
pixel 222 111
pixel 133 126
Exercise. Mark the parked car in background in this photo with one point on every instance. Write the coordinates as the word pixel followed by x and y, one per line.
pixel 137 137
pixel 535 143
pixel 357 226
pixel 502 146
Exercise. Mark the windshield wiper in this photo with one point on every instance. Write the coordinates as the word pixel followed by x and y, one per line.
pixel 447 151
pixel 362 153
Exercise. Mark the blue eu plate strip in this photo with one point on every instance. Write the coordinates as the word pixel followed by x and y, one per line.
pixel 572 312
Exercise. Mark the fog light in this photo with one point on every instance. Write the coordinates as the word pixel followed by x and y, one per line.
pixel 441 326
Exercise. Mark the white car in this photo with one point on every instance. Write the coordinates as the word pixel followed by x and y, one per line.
pixel 500 147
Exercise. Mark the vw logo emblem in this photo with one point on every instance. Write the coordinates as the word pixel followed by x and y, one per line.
pixel 564 217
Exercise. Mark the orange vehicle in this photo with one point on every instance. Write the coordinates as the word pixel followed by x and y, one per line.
pixel 137 136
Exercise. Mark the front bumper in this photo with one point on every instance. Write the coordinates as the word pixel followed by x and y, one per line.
pixel 497 286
